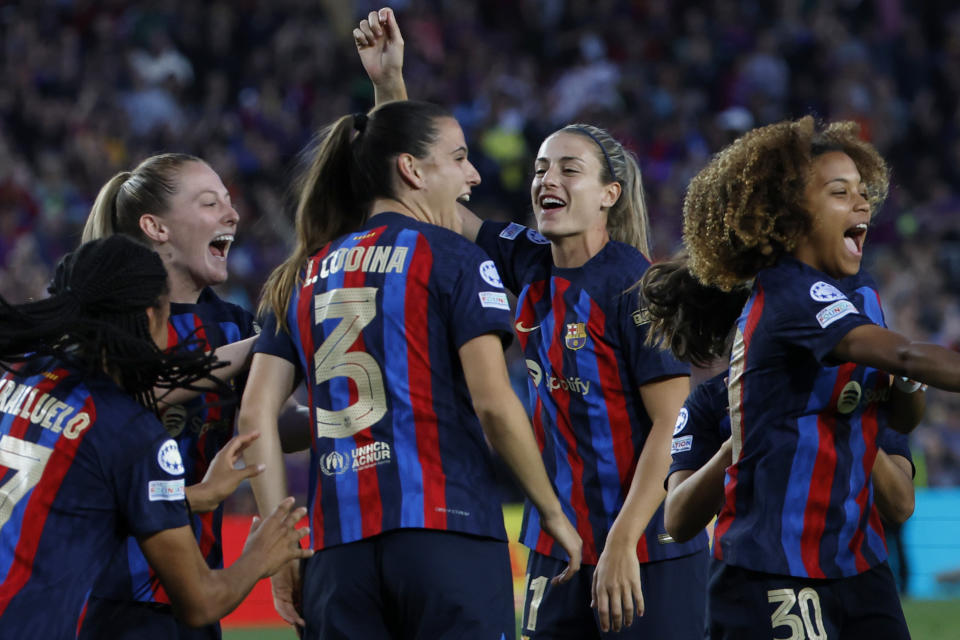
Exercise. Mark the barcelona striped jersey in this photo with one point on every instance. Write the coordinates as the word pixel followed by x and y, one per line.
pixel 582 335
pixel 82 466
pixel 374 329
pixel 798 497
pixel 201 427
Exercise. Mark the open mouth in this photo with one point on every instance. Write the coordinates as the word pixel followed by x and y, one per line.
pixel 549 203
pixel 220 245
pixel 465 198
pixel 853 238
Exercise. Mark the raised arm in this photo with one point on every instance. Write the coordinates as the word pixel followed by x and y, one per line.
pixel 506 426
pixel 617 593
pixel 200 595
pixel 236 355
pixel 380 46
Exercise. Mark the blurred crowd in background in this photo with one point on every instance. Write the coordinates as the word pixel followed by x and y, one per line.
pixel 91 87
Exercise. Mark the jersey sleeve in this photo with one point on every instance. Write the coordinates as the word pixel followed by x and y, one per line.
pixel 275 341
pixel 513 248
pixel 812 313
pixel 478 303
pixel 648 363
pixel 149 479
pixel 702 426
pixel 895 443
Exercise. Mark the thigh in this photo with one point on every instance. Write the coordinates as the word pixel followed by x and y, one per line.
pixel 441 584
pixel 749 605
pixel 674 600
pixel 557 611
pixel 872 606
pixel 341 593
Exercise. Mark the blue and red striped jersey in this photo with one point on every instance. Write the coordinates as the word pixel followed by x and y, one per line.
pixel 201 427
pixel 798 498
pixel 374 329
pixel 82 466
pixel 582 335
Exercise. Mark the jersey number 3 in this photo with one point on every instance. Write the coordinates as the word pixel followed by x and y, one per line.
pixel 28 459
pixel 355 308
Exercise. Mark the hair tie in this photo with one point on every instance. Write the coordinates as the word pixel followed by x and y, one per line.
pixel 360 122
pixel 602 149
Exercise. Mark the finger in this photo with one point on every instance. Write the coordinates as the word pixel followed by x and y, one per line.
pixel 603 610
pixel 638 603
pixel 374 21
pixel 627 609
pixel 368 32
pixel 389 20
pixel 252 471
pixel 289 613
pixel 360 39
pixel 255 524
pixel 616 611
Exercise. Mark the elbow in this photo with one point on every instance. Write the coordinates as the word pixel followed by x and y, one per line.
pixel 678 527
pixel 903 510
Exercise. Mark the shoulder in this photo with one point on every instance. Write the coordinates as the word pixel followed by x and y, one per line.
pixel 223 308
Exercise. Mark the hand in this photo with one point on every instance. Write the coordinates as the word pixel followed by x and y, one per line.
pixel 380 46
pixel 286 588
pixel 223 477
pixel 567 537
pixel 274 542
pixel 616 592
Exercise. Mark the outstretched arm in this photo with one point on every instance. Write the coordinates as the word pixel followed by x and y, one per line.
pixel 380 46
pixel 506 426
pixel 200 595
pixel 617 593
pixel 236 355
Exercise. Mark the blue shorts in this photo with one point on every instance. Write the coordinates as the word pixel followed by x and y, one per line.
pixel 674 594
pixel 410 583
pixel 747 605
pixel 131 620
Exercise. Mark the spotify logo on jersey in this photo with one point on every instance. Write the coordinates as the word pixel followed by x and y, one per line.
pixel 849 397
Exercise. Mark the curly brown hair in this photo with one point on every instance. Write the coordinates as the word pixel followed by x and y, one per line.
pixel 744 210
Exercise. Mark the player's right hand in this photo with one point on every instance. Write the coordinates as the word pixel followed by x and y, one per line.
pixel 559 527
pixel 286 588
pixel 380 46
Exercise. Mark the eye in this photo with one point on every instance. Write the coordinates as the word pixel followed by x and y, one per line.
pixel 539 172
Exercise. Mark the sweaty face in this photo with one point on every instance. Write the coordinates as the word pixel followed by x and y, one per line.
pixel 568 196
pixel 836 199
pixel 448 174
pixel 201 224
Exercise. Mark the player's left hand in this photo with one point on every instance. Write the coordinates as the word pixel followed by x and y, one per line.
pixel 223 477
pixel 380 46
pixel 616 592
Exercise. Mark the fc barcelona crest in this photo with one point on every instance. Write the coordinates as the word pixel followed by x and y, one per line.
pixel 576 335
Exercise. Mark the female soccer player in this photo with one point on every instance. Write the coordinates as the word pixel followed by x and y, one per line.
pixel 396 325
pixel 604 403
pixel 84 462
pixel 177 204
pixel 789 205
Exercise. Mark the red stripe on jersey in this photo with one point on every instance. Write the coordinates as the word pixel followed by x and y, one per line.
pixel 41 499
pixel 304 318
pixel 821 481
pixel 729 509
pixel 869 426
pixel 578 499
pixel 368 484
pixel 420 384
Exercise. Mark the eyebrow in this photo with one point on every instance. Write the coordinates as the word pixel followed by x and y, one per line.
pixel 459 149
pixel 843 180
pixel 214 192
pixel 562 159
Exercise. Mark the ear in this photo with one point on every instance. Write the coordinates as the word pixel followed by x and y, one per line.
pixel 410 171
pixel 154 228
pixel 611 193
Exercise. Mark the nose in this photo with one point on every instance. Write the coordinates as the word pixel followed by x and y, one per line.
pixel 550 174
pixel 473 176
pixel 232 217
pixel 862 202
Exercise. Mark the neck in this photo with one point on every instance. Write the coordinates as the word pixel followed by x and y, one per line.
pixel 570 252
pixel 408 207
pixel 183 289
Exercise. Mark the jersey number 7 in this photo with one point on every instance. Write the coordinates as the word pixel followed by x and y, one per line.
pixel 28 459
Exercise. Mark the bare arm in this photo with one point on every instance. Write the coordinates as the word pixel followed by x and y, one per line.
pixel 200 595
pixel 294 426
pixel 891 352
pixel 893 487
pixel 506 426
pixel 617 594
pixel 906 407
pixel 694 497
pixel 222 477
pixel 380 46
pixel 236 354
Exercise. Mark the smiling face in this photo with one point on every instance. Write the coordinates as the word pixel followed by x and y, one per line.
pixel 448 175
pixel 199 229
pixel 837 201
pixel 569 198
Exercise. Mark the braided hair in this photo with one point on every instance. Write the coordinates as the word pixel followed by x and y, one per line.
pixel 96 320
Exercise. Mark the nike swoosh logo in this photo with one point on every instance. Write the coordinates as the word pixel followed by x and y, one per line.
pixel 523 329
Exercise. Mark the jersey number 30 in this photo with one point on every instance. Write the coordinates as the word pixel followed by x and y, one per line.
pixel 28 459
pixel 355 308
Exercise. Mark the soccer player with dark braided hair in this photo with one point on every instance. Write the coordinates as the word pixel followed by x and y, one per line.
pixel 84 461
